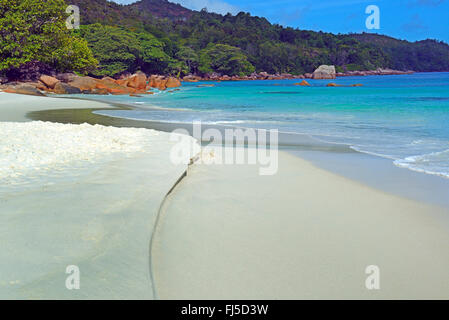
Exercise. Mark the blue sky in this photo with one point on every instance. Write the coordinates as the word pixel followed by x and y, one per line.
pixel 405 19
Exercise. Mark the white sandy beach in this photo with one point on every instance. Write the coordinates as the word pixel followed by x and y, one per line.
pixel 225 232
pixel 78 195
pixel 305 233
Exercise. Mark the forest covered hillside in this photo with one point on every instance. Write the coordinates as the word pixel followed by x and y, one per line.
pixel 157 36
pixel 185 36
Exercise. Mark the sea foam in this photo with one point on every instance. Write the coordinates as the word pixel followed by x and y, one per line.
pixel 435 163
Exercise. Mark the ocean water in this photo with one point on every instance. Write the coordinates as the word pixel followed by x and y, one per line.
pixel 403 118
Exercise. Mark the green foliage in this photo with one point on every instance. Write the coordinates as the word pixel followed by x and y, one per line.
pixel 34 30
pixel 268 47
pixel 224 59
pixel 157 36
pixel 120 50
pixel 189 57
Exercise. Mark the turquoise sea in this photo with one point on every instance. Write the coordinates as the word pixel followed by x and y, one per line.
pixel 403 118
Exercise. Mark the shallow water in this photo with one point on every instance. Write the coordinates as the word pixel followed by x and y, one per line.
pixel 403 118
pixel 90 200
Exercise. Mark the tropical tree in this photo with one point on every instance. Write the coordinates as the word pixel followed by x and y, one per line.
pixel 189 57
pixel 119 50
pixel 35 31
pixel 225 59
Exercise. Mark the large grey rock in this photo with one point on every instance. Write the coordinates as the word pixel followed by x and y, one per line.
pixel 27 89
pixel 66 77
pixel 324 72
pixel 64 88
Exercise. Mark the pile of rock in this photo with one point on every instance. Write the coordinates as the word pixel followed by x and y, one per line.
pixel 162 83
pixel 68 83
pixel 276 76
pixel 21 88
pixel 377 72
pixel 253 76
pixel 329 72
pixel 303 83
pixel 191 78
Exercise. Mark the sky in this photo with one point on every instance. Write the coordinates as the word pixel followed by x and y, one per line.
pixel 404 19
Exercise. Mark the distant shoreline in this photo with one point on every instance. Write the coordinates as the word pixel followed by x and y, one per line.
pixel 141 84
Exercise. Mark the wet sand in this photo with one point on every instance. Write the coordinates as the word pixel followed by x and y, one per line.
pixel 305 233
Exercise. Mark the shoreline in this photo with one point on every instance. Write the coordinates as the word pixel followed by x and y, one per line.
pixel 107 85
pixel 284 242
pixel 99 217
pixel 171 227
pixel 390 178
pixel 428 188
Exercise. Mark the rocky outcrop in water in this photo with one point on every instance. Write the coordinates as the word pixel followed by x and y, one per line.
pixel 377 72
pixel 253 76
pixel 172 83
pixel 332 84
pixel 303 83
